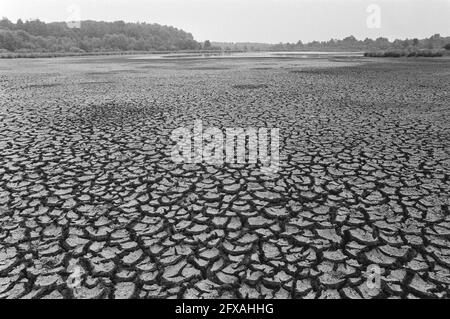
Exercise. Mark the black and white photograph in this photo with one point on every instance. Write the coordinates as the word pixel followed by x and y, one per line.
pixel 216 151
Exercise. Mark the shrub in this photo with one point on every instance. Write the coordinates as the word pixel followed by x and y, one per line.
pixel 405 53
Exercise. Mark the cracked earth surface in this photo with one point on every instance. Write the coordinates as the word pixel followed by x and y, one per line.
pixel 86 179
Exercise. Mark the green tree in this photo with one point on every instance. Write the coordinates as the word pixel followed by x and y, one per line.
pixel 207 44
pixel 93 36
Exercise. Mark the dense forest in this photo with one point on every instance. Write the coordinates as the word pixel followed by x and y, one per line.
pixel 92 36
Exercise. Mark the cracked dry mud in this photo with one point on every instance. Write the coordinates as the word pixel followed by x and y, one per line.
pixel 86 179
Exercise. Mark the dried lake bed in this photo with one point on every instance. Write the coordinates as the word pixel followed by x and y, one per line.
pixel 87 185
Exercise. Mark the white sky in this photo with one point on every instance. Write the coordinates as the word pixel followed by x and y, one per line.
pixel 254 20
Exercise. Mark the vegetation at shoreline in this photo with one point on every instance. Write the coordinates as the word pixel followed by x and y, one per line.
pixel 15 55
pixel 40 37
pixel 350 43
pixel 36 39
pixel 407 53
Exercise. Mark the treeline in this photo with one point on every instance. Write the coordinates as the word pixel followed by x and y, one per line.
pixel 435 42
pixel 243 46
pixel 92 36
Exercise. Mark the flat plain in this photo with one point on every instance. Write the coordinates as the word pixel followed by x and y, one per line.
pixel 87 184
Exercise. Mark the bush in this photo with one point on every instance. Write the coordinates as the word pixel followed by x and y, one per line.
pixel 394 54
pixel 429 53
pixel 405 53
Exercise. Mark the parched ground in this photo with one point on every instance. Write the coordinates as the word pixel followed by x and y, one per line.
pixel 86 179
